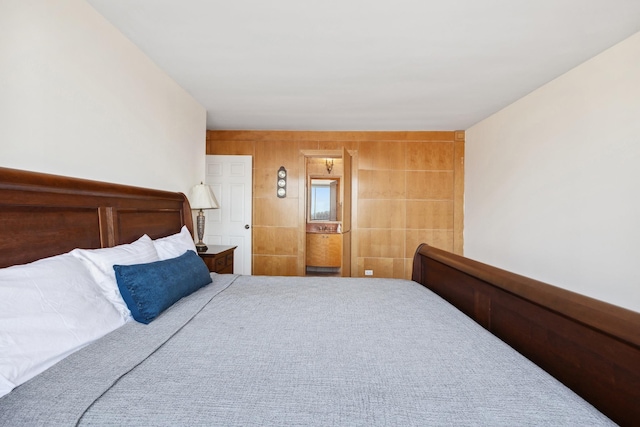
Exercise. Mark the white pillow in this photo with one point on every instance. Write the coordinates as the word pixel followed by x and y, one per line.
pixel 5 386
pixel 48 309
pixel 100 264
pixel 175 245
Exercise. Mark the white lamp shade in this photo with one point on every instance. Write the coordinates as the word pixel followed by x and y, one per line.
pixel 201 197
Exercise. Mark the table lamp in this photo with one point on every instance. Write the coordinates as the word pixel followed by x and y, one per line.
pixel 201 197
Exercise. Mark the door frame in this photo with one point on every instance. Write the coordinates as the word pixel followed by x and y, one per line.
pixel 302 206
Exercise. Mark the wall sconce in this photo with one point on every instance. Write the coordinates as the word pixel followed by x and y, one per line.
pixel 201 197
pixel 329 164
pixel 282 182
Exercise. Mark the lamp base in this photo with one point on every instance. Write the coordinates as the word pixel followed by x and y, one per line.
pixel 200 246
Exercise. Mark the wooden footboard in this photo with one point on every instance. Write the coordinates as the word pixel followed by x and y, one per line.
pixel 591 346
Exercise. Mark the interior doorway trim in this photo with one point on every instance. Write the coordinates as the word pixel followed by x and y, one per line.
pixel 302 207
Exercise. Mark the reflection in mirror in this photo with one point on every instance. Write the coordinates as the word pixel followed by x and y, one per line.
pixel 323 200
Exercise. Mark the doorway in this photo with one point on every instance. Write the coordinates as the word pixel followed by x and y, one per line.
pixel 327 188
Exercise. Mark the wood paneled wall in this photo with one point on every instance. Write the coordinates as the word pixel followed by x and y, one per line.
pixel 408 190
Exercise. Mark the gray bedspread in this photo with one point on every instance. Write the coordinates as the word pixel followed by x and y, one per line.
pixel 291 351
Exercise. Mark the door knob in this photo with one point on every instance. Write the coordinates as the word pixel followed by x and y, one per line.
pixel 246 226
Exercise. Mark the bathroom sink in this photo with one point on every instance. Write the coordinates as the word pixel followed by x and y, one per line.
pixel 323 228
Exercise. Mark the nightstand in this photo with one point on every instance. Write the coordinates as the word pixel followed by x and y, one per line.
pixel 219 258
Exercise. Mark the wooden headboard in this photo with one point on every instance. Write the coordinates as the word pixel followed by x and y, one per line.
pixel 591 346
pixel 43 215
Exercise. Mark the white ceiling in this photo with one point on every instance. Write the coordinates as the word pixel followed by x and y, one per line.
pixel 366 64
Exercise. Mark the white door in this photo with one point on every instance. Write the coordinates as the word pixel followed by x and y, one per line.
pixel 230 178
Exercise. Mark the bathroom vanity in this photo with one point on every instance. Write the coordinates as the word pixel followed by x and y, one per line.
pixel 324 246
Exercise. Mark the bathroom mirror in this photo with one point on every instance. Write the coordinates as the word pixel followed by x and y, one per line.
pixel 323 199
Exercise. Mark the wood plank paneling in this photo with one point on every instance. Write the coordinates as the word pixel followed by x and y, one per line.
pixel 273 154
pixel 429 155
pixel 429 214
pixel 441 239
pixel 330 136
pixel 337 145
pixel 275 212
pixel 409 190
pixel 264 180
pixel 382 267
pixel 381 155
pixel 458 194
pixel 318 166
pixel 275 241
pixel 275 265
pixel 383 184
pixel 381 243
pixel 430 185
pixel 382 213
pixel 222 147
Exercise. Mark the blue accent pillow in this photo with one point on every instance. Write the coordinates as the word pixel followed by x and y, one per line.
pixel 149 289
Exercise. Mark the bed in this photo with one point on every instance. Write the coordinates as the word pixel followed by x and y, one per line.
pixel 251 350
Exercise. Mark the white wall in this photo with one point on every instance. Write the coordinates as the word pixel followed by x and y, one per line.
pixel 552 182
pixel 78 99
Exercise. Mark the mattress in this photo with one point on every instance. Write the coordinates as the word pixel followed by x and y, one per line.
pixel 292 351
